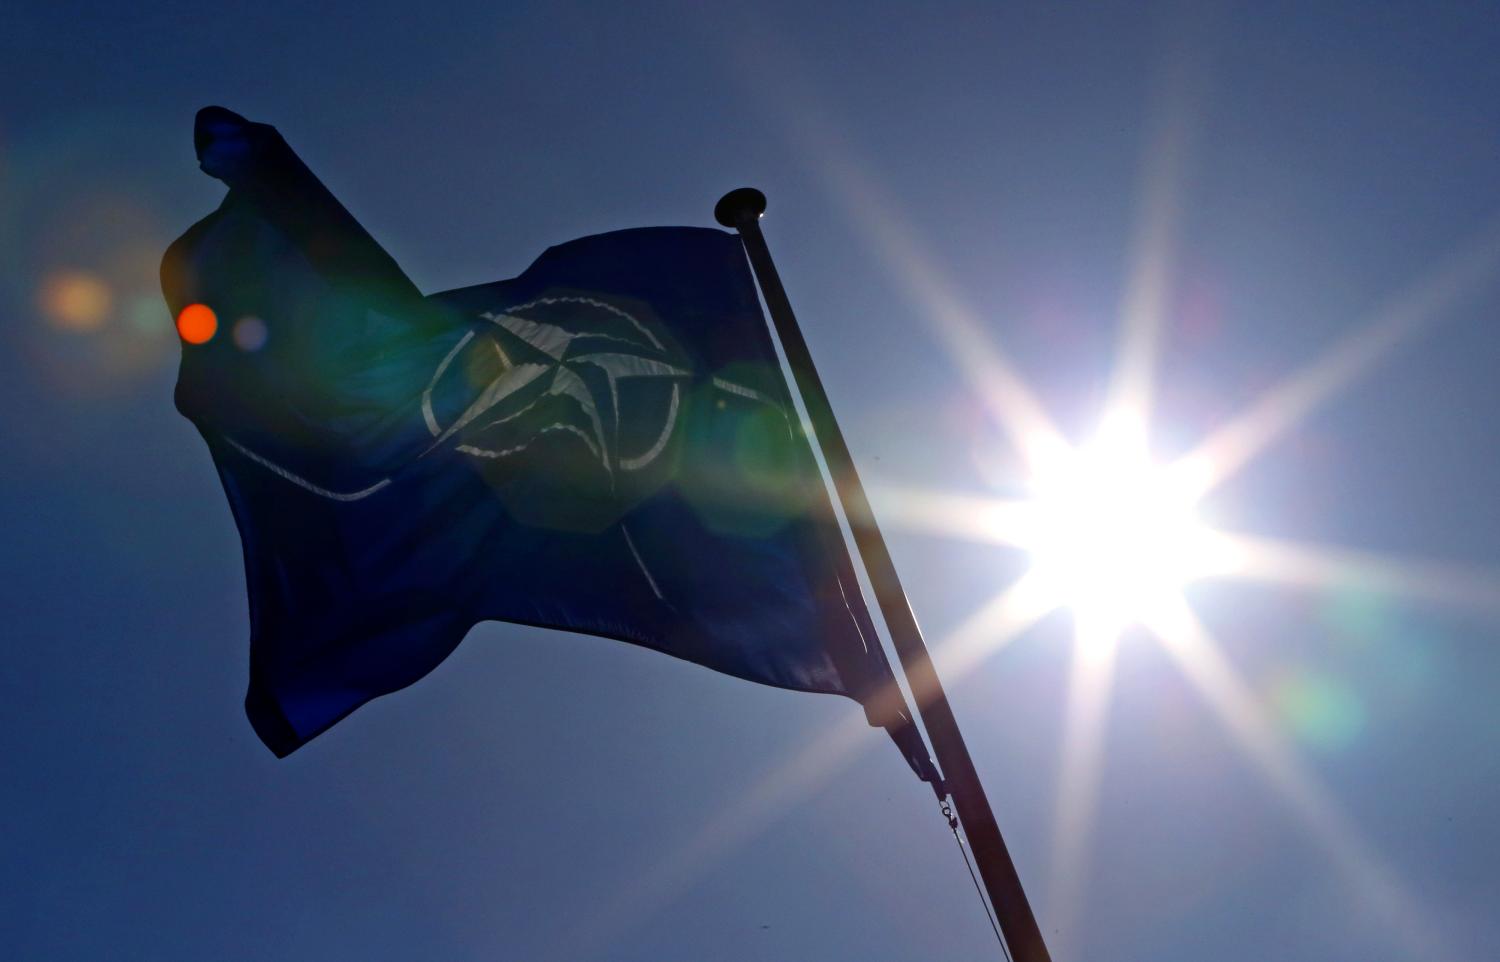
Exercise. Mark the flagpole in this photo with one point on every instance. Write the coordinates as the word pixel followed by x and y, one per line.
pixel 741 209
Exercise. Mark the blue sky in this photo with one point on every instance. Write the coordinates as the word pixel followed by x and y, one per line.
pixel 1294 178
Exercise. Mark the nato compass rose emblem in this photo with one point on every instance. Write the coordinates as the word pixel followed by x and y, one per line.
pixel 561 371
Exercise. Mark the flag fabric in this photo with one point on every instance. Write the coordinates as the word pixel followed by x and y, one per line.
pixel 604 444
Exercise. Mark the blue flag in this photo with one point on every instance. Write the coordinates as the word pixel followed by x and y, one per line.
pixel 604 444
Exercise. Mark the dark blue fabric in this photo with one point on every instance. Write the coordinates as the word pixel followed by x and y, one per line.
pixel 604 444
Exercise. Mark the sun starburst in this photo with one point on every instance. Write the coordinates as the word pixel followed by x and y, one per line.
pixel 1112 535
pixel 1115 537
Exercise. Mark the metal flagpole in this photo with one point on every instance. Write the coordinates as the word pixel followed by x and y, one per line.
pixel 741 209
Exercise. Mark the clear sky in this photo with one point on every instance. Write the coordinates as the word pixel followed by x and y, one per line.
pixel 1269 209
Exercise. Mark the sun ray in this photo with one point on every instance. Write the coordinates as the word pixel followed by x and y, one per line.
pixel 1317 566
pixel 1089 689
pixel 997 623
pixel 784 785
pixel 1006 396
pixel 1234 444
pixel 990 374
pixel 964 517
pixel 787 95
pixel 774 793
pixel 1198 656
pixel 1153 246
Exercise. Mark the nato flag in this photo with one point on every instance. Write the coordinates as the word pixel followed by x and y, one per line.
pixel 604 444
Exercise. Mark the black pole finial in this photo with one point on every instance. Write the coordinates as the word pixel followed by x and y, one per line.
pixel 740 205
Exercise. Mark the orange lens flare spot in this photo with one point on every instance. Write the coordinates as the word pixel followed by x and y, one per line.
pixel 197 323
pixel 75 300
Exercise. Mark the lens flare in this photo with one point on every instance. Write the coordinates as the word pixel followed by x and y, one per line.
pixel 146 315
pixel 249 333
pixel 75 300
pixel 197 323
pixel 1319 710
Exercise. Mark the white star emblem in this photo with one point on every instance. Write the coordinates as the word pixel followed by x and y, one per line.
pixel 636 354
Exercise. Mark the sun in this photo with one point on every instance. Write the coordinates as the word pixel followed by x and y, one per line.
pixel 1113 536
